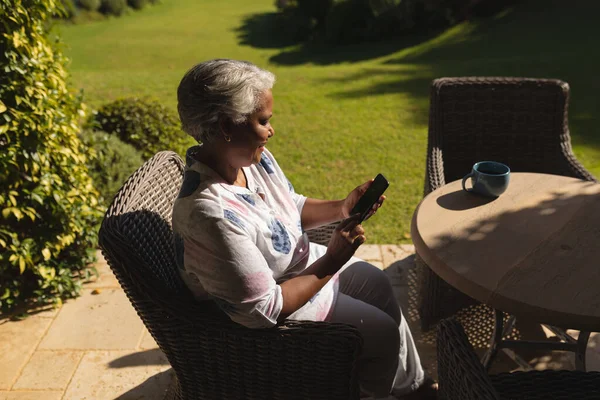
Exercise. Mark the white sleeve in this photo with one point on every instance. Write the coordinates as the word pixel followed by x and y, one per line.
pixel 234 272
pixel 298 198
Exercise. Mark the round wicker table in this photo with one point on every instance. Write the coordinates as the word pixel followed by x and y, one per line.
pixel 533 252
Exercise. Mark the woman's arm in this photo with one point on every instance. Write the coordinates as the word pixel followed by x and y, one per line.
pixel 317 213
pixel 299 290
pixel 296 292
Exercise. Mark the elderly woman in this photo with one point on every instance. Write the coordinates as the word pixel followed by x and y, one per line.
pixel 240 240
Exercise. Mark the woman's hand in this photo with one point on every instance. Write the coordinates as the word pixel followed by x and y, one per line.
pixel 346 238
pixel 297 291
pixel 353 198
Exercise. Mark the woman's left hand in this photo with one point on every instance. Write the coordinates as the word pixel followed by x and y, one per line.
pixel 353 198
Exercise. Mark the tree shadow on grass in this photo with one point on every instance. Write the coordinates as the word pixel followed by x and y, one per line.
pixel 322 54
pixel 268 31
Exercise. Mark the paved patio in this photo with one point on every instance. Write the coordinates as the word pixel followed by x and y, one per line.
pixel 96 347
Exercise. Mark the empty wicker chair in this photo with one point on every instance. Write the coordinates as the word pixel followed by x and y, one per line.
pixel 462 377
pixel 214 358
pixel 517 121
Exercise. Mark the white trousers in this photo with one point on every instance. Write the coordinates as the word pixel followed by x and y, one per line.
pixel 389 362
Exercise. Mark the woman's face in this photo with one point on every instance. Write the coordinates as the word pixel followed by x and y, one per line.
pixel 249 138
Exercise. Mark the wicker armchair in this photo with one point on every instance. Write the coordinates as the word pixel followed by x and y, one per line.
pixel 462 377
pixel 214 358
pixel 517 121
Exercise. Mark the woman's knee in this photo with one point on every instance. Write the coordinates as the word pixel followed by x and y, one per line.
pixel 362 271
pixel 368 283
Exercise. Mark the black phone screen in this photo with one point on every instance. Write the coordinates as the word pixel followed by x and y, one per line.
pixel 373 193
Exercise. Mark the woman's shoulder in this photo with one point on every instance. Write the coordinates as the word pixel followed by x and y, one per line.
pixel 211 208
pixel 198 196
pixel 268 163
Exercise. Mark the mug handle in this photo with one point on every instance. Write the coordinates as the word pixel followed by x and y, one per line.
pixel 464 181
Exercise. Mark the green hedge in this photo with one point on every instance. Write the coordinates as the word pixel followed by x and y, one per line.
pixel 67 9
pixel 137 4
pixel 144 123
pixel 49 208
pixel 113 7
pixel 78 11
pixel 89 5
pixel 113 162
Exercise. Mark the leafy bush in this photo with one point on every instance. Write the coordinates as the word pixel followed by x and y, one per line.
pixel 144 123
pixel 113 161
pixel 49 208
pixel 302 19
pixel 137 4
pixel 89 5
pixel 67 11
pixel 113 7
pixel 348 21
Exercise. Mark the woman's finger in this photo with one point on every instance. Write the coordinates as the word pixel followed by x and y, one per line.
pixel 375 207
pixel 365 185
pixel 358 241
pixel 348 223
pixel 357 231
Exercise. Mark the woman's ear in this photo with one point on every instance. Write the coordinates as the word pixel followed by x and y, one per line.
pixel 225 128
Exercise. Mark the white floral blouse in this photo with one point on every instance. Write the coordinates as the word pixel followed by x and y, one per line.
pixel 236 245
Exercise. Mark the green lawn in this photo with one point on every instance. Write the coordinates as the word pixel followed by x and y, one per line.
pixel 342 115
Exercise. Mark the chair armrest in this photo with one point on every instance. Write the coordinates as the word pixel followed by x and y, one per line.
pixel 461 374
pixel 322 234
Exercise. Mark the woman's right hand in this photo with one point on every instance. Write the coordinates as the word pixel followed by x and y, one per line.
pixel 346 238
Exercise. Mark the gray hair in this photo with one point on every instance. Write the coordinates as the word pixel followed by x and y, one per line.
pixel 219 88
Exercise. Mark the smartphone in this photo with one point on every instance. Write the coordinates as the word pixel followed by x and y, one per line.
pixel 371 196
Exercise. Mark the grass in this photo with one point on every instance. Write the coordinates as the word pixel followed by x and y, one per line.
pixel 342 115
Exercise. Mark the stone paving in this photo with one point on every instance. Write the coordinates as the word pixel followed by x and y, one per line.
pixel 95 347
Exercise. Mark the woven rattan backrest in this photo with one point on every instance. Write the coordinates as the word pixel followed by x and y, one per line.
pixel 137 225
pixel 517 121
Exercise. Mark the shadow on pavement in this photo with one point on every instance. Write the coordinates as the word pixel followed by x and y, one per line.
pixel 154 387
pixel 147 357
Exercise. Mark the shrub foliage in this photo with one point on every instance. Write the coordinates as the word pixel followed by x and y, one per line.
pixel 113 7
pixel 89 5
pixel 49 208
pixel 112 163
pixel 67 9
pixel 144 123
pixel 137 4
pixel 78 11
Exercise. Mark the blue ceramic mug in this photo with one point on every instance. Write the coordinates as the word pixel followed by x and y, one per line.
pixel 489 178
